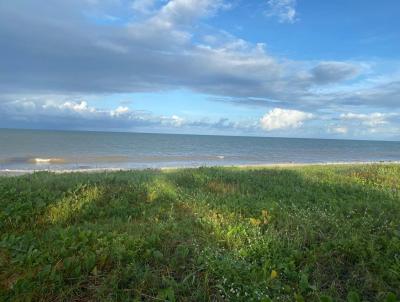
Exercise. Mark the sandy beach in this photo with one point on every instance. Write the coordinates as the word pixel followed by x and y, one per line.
pixel 19 172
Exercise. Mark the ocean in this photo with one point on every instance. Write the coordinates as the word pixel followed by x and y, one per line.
pixel 70 150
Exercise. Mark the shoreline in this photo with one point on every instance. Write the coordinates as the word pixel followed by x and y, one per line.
pixel 19 172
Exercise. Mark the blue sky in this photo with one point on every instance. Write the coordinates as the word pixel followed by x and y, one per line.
pixel 292 68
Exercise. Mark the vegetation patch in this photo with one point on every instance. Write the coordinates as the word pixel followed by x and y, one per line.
pixel 318 233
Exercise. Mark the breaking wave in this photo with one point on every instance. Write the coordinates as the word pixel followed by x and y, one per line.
pixel 46 160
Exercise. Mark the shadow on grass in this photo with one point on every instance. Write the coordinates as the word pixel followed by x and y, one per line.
pixel 199 235
pixel 117 237
pixel 329 233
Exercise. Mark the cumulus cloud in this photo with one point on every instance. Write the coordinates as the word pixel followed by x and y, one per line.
pixel 77 107
pixel 284 10
pixel 161 51
pixel 339 130
pixel 366 124
pixel 85 48
pixel 184 12
pixel 79 115
pixel 371 120
pixel 177 121
pixel 283 118
pixel 120 110
pixel 59 114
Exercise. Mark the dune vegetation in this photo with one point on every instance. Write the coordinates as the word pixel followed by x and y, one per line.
pixel 317 233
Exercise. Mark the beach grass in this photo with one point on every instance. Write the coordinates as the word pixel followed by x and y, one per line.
pixel 317 233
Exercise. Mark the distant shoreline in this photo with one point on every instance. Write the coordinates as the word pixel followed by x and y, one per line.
pixel 18 172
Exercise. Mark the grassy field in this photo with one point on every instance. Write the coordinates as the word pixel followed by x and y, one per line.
pixel 318 233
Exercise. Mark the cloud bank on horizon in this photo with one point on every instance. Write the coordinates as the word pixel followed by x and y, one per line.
pixel 267 67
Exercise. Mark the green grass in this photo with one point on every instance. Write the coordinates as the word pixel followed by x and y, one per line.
pixel 328 233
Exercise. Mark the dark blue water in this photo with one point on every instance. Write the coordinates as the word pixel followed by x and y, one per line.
pixel 36 149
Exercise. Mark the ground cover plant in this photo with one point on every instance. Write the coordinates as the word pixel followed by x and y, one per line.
pixel 317 233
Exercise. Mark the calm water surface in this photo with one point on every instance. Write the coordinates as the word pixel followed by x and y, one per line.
pixel 34 149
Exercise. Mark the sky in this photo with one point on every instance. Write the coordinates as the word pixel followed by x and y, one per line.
pixel 275 68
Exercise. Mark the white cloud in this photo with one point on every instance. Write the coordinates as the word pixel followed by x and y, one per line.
pixel 366 124
pixel 120 110
pixel 81 107
pixel 163 51
pixel 284 10
pixel 339 130
pixel 184 12
pixel 283 118
pixel 177 121
pixel 143 6
pixel 61 114
pixel 371 120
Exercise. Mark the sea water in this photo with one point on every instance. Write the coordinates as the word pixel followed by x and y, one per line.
pixel 60 150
